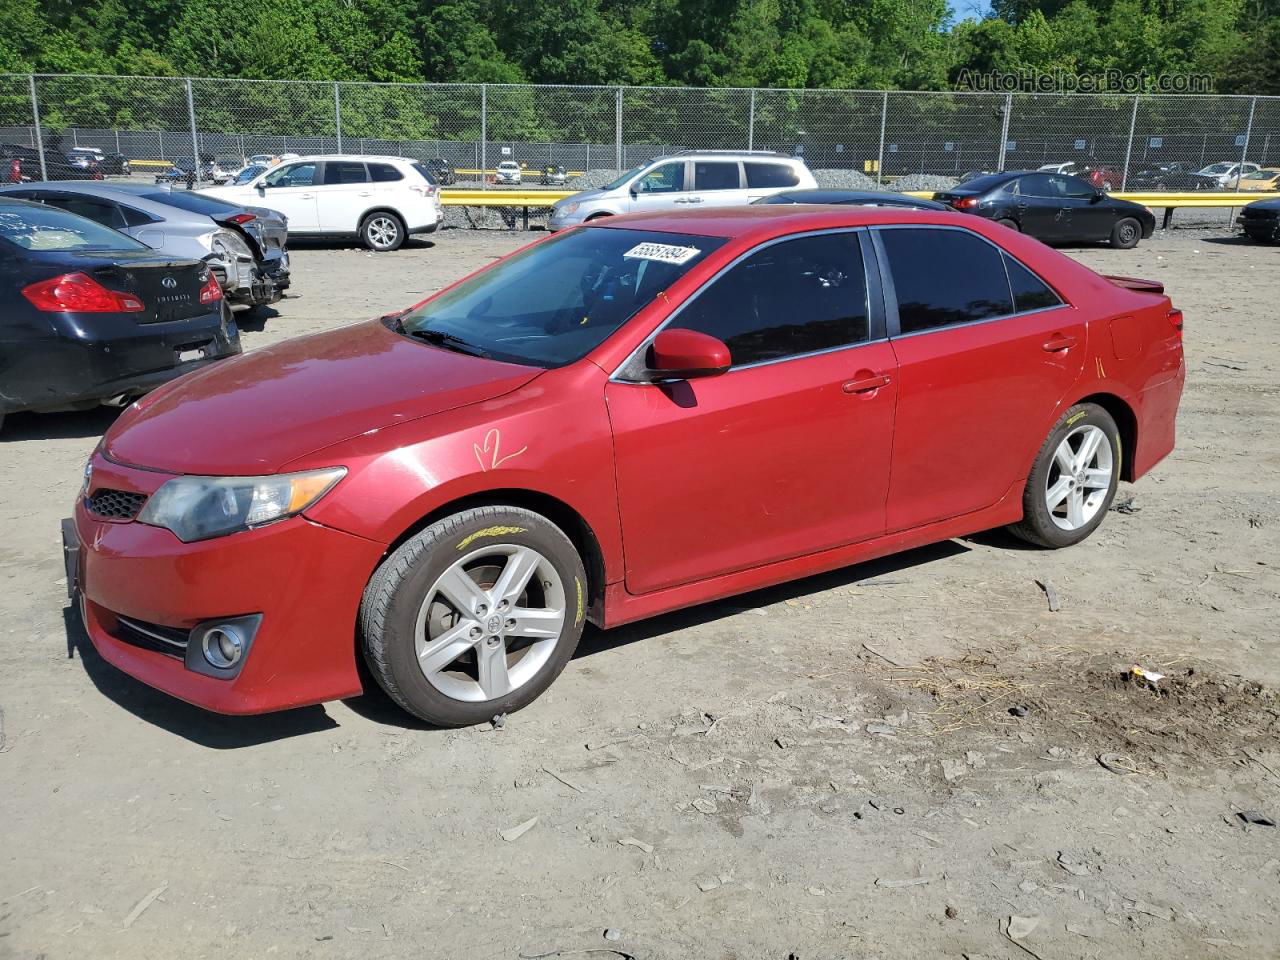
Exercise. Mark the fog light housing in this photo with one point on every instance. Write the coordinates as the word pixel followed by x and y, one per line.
pixel 218 648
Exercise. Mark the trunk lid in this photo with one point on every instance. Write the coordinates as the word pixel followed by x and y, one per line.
pixel 169 289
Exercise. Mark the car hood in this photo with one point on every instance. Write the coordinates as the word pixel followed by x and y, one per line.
pixel 582 196
pixel 256 412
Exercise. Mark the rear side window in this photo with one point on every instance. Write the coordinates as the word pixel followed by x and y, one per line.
pixel 945 277
pixel 100 211
pixel 715 176
pixel 384 173
pixel 424 172
pixel 135 218
pixel 1039 185
pixel 770 175
pixel 791 298
pixel 344 171
pixel 1029 291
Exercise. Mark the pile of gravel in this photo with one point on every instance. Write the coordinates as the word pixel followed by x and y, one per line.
pixel 491 218
pixel 845 180
pixel 923 181
pixel 593 180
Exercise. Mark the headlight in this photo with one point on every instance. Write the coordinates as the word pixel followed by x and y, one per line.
pixel 198 508
pixel 567 209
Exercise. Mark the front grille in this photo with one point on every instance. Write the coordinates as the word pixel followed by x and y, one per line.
pixel 115 504
pixel 151 636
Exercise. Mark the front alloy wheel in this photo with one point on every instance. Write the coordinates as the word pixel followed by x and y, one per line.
pixel 382 232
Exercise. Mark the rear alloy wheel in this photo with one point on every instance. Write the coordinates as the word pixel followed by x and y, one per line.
pixel 1074 479
pixel 382 232
pixel 1126 234
pixel 475 616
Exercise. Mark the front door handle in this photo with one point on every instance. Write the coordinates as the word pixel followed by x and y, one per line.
pixel 866 384
pixel 366 193
pixel 1058 342
pixel 306 196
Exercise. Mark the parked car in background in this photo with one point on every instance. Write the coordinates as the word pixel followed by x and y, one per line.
pixel 19 164
pixel 554 175
pixel 1176 177
pixel 1266 179
pixel 508 171
pixel 1052 207
pixel 381 200
pixel 857 198
pixel 88 315
pixel 111 164
pixel 755 395
pixel 1100 175
pixel 683 181
pixel 243 246
pixel 248 173
pixel 1260 221
pixel 442 172
pixel 182 169
pixel 1225 173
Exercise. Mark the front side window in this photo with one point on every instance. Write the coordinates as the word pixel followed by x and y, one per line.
pixel 292 175
pixel 944 277
pixel 1074 188
pixel 557 300
pixel 770 175
pixel 715 175
pixel 338 172
pixel 668 178
pixel 794 297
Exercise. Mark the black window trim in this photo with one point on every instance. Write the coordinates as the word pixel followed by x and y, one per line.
pixel 877 306
pixel 893 321
pixel 742 175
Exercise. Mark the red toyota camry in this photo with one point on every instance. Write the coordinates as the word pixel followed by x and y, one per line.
pixel 637 415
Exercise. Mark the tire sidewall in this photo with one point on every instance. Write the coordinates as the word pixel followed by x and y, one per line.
pixel 1115 234
pixel 436 549
pixel 1036 511
pixel 364 232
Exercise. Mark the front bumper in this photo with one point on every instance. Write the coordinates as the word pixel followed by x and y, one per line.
pixel 1260 228
pixel 304 580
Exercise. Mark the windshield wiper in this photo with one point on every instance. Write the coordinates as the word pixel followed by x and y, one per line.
pixel 450 341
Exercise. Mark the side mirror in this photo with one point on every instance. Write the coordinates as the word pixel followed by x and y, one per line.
pixel 262 188
pixel 686 354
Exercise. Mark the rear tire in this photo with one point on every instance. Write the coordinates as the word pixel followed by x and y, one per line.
pixel 382 232
pixel 448 641
pixel 1073 481
pixel 1126 234
pixel 1011 224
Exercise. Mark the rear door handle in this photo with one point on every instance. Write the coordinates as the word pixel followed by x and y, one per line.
pixel 366 193
pixel 866 384
pixel 1059 342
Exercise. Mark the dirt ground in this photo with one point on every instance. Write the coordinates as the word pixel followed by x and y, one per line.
pixel 911 758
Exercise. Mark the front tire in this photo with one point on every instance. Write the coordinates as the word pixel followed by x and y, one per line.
pixel 475 616
pixel 382 232
pixel 1126 234
pixel 1073 481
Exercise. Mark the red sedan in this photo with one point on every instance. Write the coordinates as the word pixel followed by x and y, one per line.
pixel 641 414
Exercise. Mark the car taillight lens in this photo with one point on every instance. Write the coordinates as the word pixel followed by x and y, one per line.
pixel 428 190
pixel 242 218
pixel 1175 319
pixel 964 203
pixel 79 293
pixel 210 292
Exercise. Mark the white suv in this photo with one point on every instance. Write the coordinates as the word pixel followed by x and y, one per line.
pixel 696 178
pixel 381 200
pixel 508 171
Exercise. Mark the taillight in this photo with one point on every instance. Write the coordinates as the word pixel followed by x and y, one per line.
pixel 1175 319
pixel 964 203
pixel 79 293
pixel 210 292
pixel 242 218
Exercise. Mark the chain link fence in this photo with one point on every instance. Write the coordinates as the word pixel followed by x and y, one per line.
pixel 598 130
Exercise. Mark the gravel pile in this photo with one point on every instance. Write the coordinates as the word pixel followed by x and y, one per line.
pixel 845 180
pixel 593 180
pixel 490 218
pixel 923 181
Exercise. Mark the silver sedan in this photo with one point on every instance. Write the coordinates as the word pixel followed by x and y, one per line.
pixel 244 246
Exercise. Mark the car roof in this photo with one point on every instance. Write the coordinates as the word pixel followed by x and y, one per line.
pixel 132 193
pixel 347 156
pixel 758 221
pixel 833 195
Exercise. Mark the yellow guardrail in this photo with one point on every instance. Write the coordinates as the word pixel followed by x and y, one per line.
pixel 499 197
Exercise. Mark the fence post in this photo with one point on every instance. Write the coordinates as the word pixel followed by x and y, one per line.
pixel 35 115
pixel 337 114
pixel 484 134
pixel 117 132
pixel 751 122
pixel 884 116
pixel 1244 153
pixel 617 131
pixel 1004 130
pixel 1128 150
pixel 195 139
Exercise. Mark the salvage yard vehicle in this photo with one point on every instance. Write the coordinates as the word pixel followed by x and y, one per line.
pixel 861 198
pixel 1052 207
pixel 114 164
pixel 182 169
pixel 1178 177
pixel 56 165
pixel 381 200
pixel 1266 179
pixel 89 315
pixel 509 172
pixel 626 418
pixel 442 172
pixel 554 175
pixel 243 246
pixel 1226 173
pixel 694 178
pixel 1100 175
pixel 1261 221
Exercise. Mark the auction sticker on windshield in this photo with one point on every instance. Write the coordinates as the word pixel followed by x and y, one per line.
pixel 662 252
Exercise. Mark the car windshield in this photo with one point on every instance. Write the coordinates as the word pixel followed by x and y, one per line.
pixel 556 301
pixel 249 173
pixel 613 185
pixel 38 227
pixel 191 202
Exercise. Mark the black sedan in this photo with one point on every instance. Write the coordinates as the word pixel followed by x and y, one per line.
pixel 1178 177
pixel 1052 207
pixel 860 198
pixel 19 164
pixel 90 316
pixel 442 172
pixel 1261 221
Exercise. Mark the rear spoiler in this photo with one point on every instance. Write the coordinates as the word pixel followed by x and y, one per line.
pixel 1133 283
